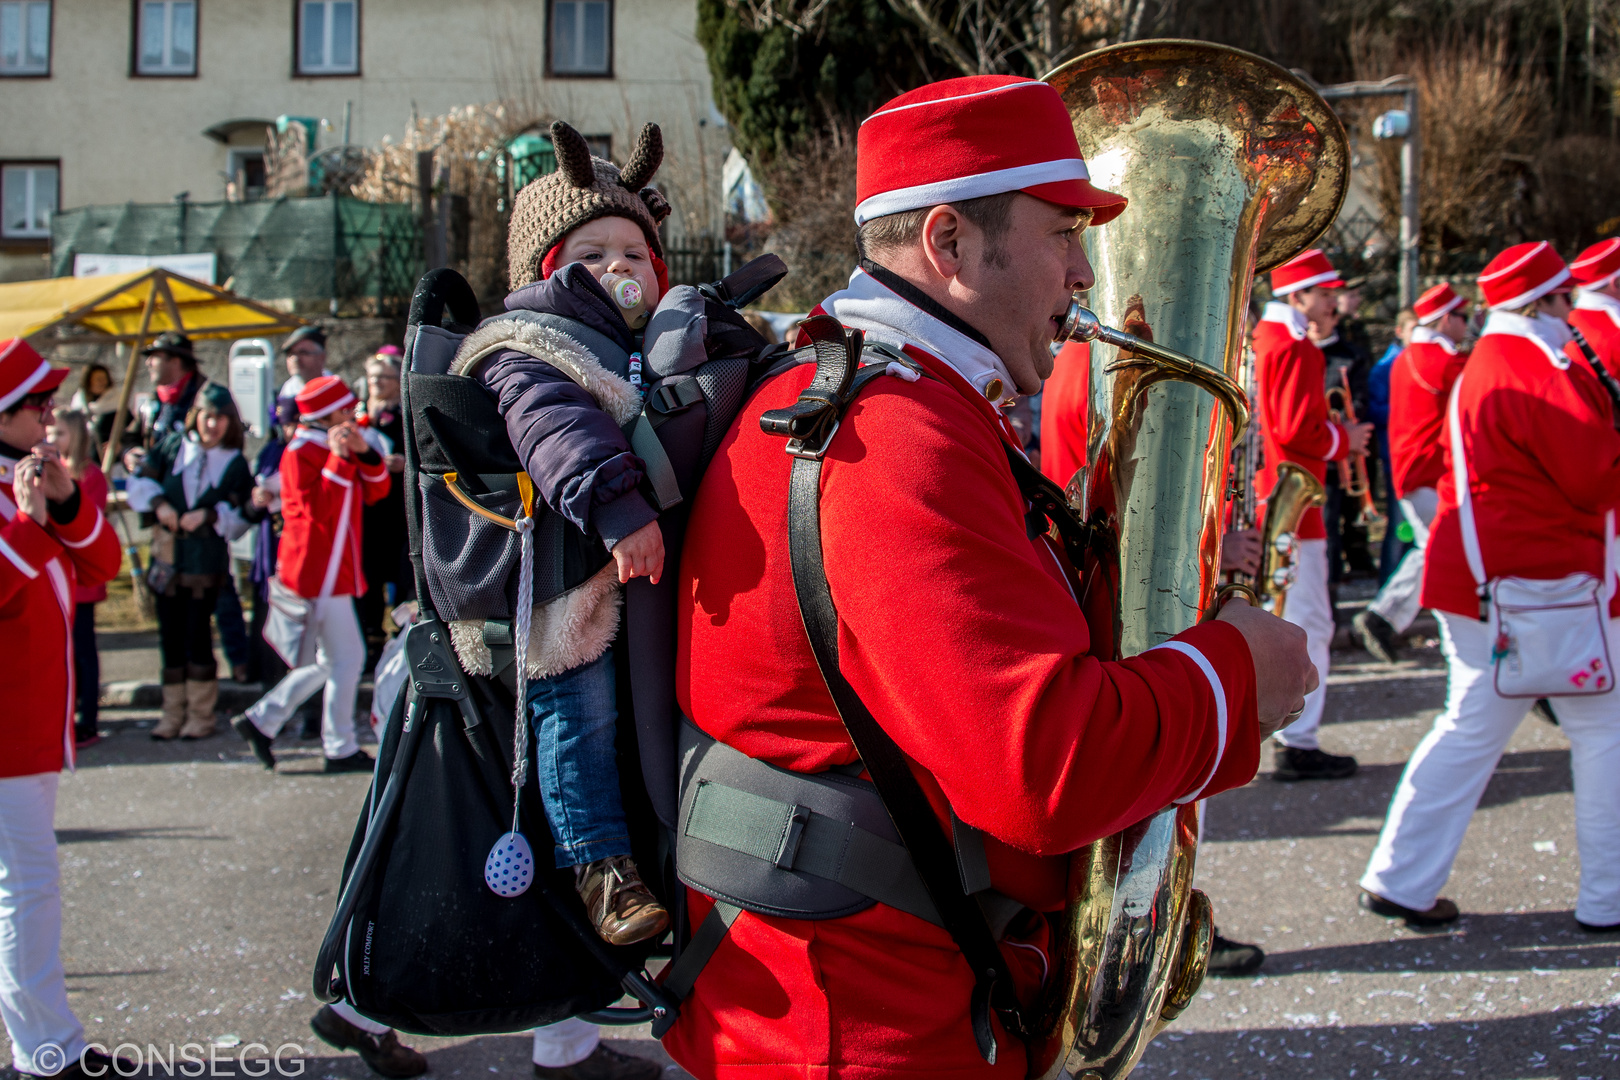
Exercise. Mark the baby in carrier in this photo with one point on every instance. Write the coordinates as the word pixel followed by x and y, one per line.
pixel 583 246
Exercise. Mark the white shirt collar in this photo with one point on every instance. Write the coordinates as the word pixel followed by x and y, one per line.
pixel 1428 335
pixel 1540 331
pixel 1288 315
pixel 308 435
pixel 1592 301
pixel 867 304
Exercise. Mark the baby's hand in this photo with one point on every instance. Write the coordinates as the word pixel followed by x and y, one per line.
pixel 641 554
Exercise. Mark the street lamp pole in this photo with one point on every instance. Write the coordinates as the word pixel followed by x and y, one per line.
pixel 1409 131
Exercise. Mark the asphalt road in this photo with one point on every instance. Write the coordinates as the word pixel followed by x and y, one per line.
pixel 197 887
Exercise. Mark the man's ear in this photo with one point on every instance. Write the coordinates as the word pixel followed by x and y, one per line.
pixel 942 237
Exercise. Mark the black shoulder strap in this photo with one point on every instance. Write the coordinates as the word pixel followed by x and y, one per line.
pixel 810 424
pixel 1600 369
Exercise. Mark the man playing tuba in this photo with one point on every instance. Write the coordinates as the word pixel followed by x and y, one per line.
pixel 956 621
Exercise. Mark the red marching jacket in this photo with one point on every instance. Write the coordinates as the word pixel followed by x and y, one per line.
pixel 1597 317
pixel 1543 468
pixel 1290 371
pixel 39 567
pixel 322 495
pixel 1064 403
pixel 1419 387
pixel 962 636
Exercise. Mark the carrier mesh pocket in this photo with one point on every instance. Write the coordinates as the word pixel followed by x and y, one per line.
pixel 470 561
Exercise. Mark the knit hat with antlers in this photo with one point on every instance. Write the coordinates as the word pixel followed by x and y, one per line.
pixel 583 189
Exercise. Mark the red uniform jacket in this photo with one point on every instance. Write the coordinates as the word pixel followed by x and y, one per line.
pixel 963 638
pixel 1419 387
pixel 39 568
pixel 1543 467
pixel 321 499
pixel 1290 371
pixel 1597 317
pixel 1064 404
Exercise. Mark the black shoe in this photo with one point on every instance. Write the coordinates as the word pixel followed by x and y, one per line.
pixel 359 761
pixel 1377 636
pixel 384 1053
pixel 1233 959
pixel 90 1063
pixel 1443 911
pixel 1291 763
pixel 605 1063
pixel 1593 928
pixel 258 740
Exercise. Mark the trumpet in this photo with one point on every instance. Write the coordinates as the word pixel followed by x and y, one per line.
pixel 1353 466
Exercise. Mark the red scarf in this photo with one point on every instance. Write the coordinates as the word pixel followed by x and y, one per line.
pixel 174 391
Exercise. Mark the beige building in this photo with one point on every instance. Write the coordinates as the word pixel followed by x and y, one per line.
pixel 107 101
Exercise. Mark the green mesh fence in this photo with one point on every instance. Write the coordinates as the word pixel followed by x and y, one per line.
pixel 366 256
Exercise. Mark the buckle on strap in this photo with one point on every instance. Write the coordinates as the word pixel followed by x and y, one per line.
pixel 810 422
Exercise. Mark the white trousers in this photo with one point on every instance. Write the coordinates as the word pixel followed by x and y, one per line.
pixel 340 660
pixel 1309 608
pixel 556 1046
pixel 33 988
pixel 567 1042
pixel 1451 766
pixel 1397 603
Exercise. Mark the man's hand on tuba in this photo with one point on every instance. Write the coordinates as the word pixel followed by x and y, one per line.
pixel 1283 672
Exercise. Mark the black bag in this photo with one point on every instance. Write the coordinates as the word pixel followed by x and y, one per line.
pixel 423 945
pixel 418 940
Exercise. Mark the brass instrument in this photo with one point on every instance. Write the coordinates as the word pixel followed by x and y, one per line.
pixel 1295 492
pixel 1353 466
pixel 1232 166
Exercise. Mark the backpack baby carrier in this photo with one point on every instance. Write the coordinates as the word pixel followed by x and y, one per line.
pixel 418 940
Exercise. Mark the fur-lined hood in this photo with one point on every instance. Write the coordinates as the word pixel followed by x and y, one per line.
pixel 552 346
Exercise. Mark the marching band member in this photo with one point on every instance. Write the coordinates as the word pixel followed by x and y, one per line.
pixel 1294 416
pixel 1543 468
pixel 956 628
pixel 329 475
pixel 51 539
pixel 1419 386
pixel 1597 305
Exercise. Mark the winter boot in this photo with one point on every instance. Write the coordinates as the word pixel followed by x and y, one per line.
pixel 202 696
pixel 618 903
pixel 174 704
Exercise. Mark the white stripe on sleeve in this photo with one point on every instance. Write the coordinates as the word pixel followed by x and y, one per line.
pixel 87 541
pixel 11 553
pixel 1220 708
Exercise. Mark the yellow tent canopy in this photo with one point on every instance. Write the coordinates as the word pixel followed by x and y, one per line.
pixel 135 307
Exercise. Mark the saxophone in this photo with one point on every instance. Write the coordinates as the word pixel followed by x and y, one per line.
pixel 1232 166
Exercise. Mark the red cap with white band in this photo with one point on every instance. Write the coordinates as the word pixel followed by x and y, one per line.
pixel 971 137
pixel 23 371
pixel 1436 302
pixel 1522 273
pixel 322 397
pixel 1597 265
pixel 1310 269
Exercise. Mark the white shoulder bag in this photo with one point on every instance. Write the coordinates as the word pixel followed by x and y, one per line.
pixel 1549 637
pixel 285 629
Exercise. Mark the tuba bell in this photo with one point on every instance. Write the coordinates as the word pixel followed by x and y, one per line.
pixel 1232 166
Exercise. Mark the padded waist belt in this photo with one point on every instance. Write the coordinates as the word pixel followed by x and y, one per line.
pixel 793 845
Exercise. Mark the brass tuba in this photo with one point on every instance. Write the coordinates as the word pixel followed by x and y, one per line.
pixel 1232 166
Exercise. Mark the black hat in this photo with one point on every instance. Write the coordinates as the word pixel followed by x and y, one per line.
pixel 304 333
pixel 173 343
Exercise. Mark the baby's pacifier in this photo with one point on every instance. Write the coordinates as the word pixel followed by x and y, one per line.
pixel 627 293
